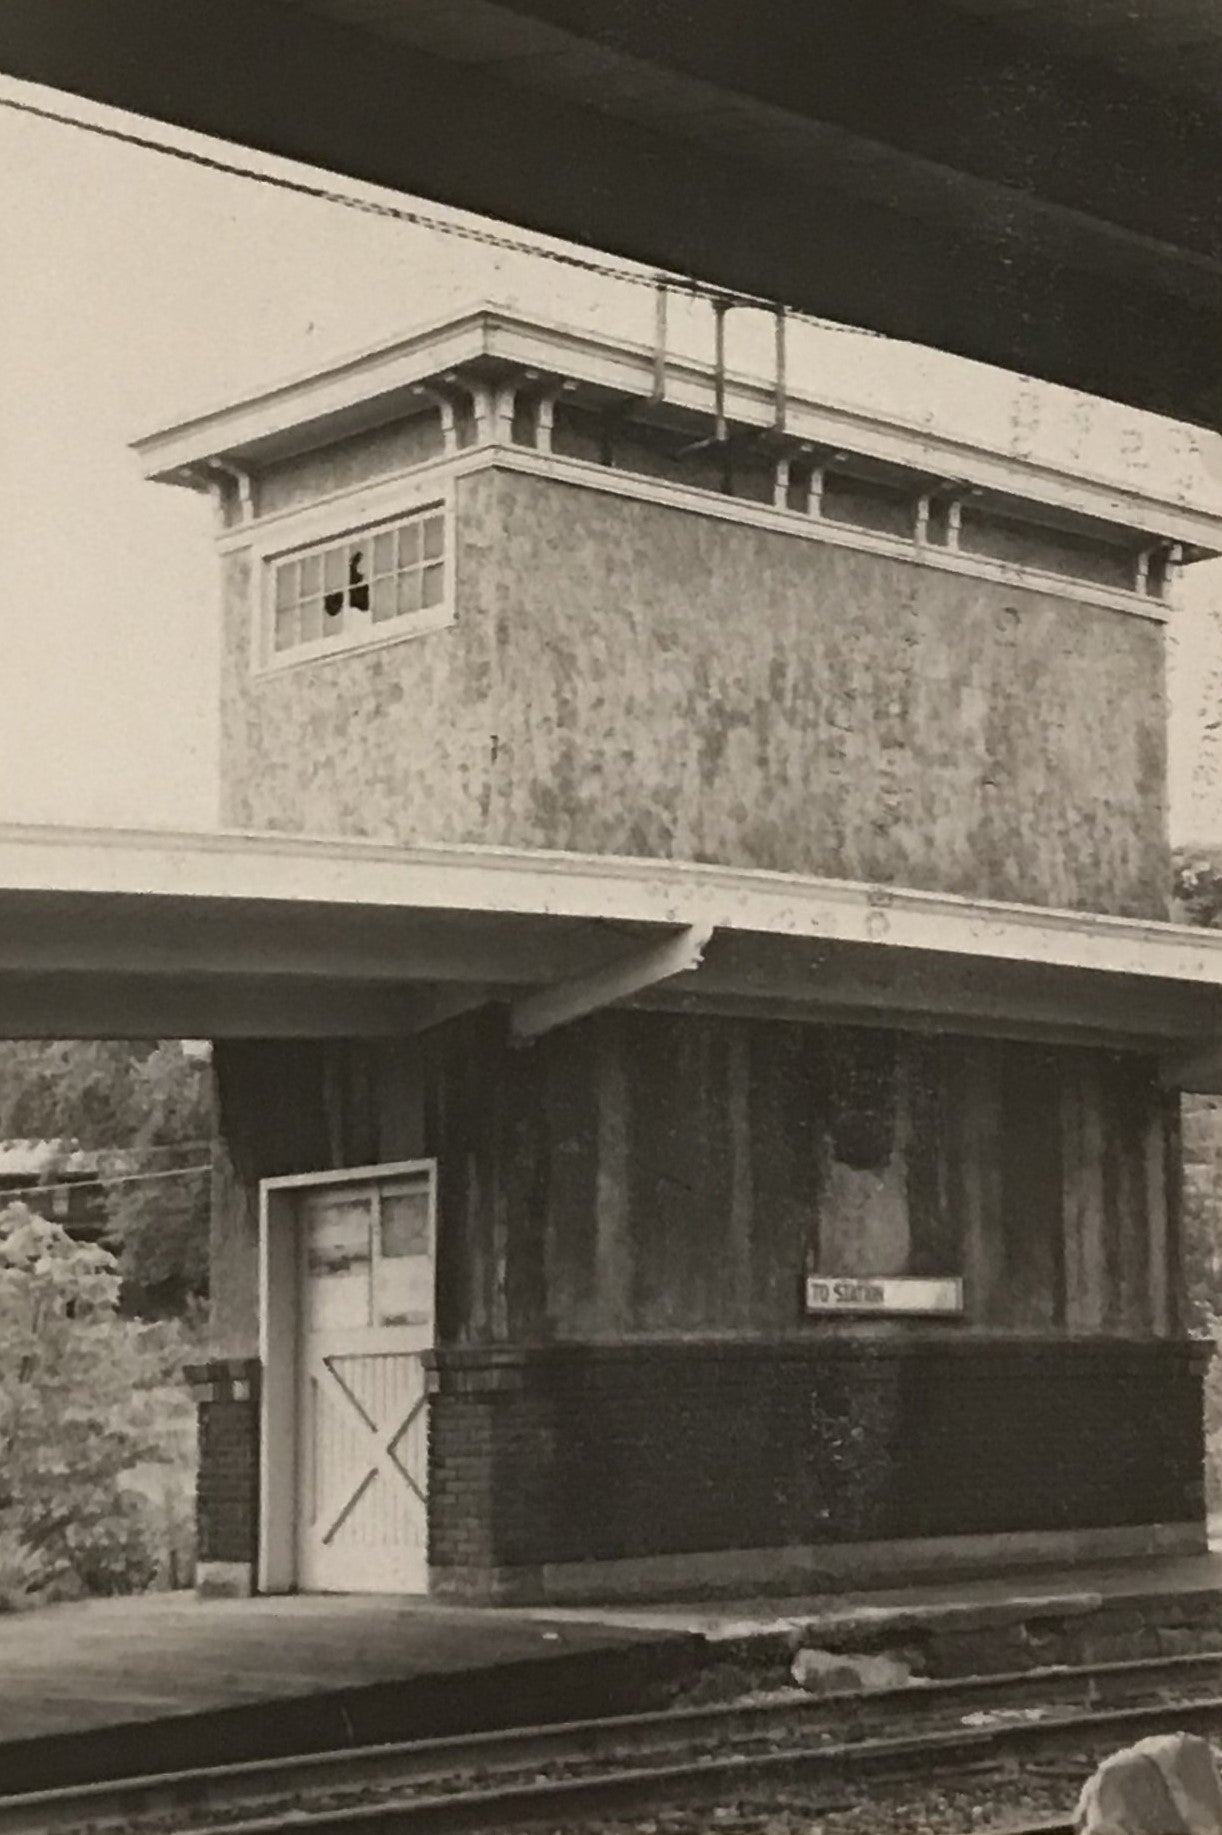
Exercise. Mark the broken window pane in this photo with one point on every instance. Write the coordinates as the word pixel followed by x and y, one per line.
pixel 388 574
pixel 358 590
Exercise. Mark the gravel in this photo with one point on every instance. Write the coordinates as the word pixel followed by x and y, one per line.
pixel 970 1806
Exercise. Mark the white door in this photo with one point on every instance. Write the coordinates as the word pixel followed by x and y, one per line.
pixel 366 1317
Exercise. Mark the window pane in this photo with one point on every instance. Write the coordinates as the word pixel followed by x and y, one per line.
pixel 337 1259
pixel 405 1223
pixel 286 627
pixel 335 593
pixel 311 621
pixel 383 600
pixel 335 567
pixel 408 595
pixel 286 584
pixel 433 588
pixel 405 1290
pixel 358 578
pixel 405 1269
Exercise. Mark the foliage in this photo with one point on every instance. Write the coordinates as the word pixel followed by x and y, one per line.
pixel 81 1407
pixel 1198 887
pixel 161 1226
pixel 150 1104
pixel 1198 899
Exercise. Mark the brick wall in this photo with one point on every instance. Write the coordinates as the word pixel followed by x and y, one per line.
pixel 227 1486
pixel 626 1452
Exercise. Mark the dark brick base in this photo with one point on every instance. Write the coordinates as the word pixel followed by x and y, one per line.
pixel 560 1455
pixel 227 1486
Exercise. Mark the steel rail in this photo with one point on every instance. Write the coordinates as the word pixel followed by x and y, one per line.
pixel 517 1755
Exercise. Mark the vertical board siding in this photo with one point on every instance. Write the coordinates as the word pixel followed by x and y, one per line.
pixel 611 1294
pixel 978 1163
pixel 656 1175
pixel 578 1182
pixel 786 1114
pixel 1083 1199
pixel 1031 1211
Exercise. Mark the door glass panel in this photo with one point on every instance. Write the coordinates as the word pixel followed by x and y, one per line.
pixel 338 1259
pixel 405 1268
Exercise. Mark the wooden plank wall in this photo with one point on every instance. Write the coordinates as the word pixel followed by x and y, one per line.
pixel 656 1175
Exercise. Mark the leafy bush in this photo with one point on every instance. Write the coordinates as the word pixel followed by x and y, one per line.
pixel 82 1408
pixel 151 1105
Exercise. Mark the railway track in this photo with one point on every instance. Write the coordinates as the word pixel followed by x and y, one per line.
pixel 562 1774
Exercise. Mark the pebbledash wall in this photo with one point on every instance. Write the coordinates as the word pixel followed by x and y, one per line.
pixel 626 1393
pixel 630 678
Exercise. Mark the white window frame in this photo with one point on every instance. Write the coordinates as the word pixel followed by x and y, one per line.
pixel 321 525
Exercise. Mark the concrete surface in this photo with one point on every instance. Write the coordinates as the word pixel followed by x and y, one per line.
pixel 70 1667
pixel 107 1687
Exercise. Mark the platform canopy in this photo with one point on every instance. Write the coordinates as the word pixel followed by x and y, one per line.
pixel 147 934
pixel 1033 182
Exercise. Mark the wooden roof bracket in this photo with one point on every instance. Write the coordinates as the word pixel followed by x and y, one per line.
pixel 579 995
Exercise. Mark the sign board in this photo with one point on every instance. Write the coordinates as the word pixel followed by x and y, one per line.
pixel 883 1294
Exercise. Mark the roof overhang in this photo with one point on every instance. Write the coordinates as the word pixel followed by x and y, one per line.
pixel 490 345
pixel 139 934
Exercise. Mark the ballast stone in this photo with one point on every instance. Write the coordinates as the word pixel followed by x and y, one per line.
pixel 827 1672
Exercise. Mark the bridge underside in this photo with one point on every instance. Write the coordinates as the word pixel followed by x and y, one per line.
pixel 1035 184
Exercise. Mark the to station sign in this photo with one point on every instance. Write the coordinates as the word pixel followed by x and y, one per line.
pixel 891 1293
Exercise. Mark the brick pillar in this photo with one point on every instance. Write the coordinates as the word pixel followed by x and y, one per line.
pixel 227 1486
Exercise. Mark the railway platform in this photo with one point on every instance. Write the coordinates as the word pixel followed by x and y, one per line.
pixel 114 1688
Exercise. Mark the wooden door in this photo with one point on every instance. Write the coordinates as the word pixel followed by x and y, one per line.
pixel 366 1318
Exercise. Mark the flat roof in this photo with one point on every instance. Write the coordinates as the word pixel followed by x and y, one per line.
pixel 143 933
pixel 371 387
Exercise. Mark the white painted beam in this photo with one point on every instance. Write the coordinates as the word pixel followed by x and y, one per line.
pixel 52 878
pixel 582 994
